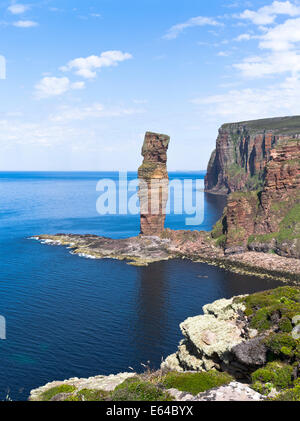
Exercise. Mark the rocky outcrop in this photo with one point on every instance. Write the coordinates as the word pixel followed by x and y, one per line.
pixel 234 339
pixel 154 183
pixel 241 335
pixel 138 251
pixel 269 219
pixel 209 339
pixel 242 152
pixel 233 391
pixel 100 383
pixel 193 245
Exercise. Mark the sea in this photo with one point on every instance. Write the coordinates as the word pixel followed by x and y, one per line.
pixel 69 316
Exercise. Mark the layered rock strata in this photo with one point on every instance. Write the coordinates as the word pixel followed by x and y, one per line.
pixel 154 183
pixel 269 219
pixel 243 150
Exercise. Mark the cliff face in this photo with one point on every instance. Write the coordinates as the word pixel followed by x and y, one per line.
pixel 154 182
pixel 242 152
pixel 267 220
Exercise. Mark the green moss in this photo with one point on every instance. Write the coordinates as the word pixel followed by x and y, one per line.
pixel 275 373
pixel 218 232
pixel 289 395
pixel 288 352
pixel 262 238
pixel 275 310
pixel 195 383
pixel 261 320
pixel 285 325
pixel 147 169
pixel 218 229
pixel 262 388
pixel 135 389
pixel 235 170
pixel 255 182
pixel 89 395
pixel 221 241
pixel 277 343
pixel 285 299
pixel 282 125
pixel 50 393
pixel 290 225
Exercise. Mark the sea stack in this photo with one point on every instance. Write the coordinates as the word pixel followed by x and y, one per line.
pixel 154 183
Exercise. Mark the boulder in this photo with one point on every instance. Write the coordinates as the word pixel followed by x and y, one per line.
pixel 251 353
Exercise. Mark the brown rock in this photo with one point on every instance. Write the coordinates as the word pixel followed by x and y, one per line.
pixel 243 150
pixel 154 182
pixel 252 219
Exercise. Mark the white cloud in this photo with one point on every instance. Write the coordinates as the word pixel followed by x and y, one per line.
pixel 18 9
pixel 25 24
pixel 17 132
pixel 67 113
pixel 244 104
pixel 53 86
pixel 175 30
pixel 283 41
pixel 282 37
pixel 243 37
pixel 273 64
pixel 77 85
pixel 87 67
pixel 224 53
pixel 267 14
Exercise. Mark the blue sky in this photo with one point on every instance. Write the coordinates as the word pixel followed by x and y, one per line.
pixel 86 79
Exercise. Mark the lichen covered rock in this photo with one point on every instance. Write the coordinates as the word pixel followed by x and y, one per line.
pixel 209 338
pixel 97 383
pixel 242 334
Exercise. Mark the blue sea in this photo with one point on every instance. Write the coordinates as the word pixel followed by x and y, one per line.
pixel 68 316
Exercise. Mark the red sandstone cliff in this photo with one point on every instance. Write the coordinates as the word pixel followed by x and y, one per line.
pixel 242 152
pixel 154 182
pixel 267 220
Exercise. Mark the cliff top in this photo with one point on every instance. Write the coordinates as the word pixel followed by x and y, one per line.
pixel 284 125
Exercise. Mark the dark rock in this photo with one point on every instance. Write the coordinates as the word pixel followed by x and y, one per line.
pixel 275 317
pixel 251 353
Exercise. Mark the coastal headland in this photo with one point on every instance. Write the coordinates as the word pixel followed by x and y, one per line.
pixel 257 165
pixel 246 348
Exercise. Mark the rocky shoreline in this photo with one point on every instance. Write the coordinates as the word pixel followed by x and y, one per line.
pixel 246 348
pixel 193 245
